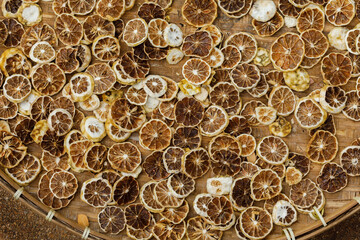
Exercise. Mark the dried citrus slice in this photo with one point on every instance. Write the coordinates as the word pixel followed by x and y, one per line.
pixel 198 228
pixel 10 8
pixel 283 100
pixel 352 106
pixel 8 110
pixel 144 234
pixel 262 57
pixel 247 143
pixel 196 71
pixel 300 162
pixel 309 114
pixel 106 48
pixel 71 137
pixel 112 220
pixel 180 185
pixel 60 7
pixel 316 43
pixel 200 203
pixel 48 79
pixel 126 116
pixel 96 192
pixel 133 66
pixel 219 210
pixel 288 9
pixel 26 171
pixel 137 216
pixel 52 143
pixel 66 59
pixel 249 113
pixel 17 88
pixel 322 147
pixel 266 115
pixel 245 76
pixel 197 44
pixel 240 194
pixel 90 104
pixel 268 28
pixel 187 137
pixel 136 96
pixel 42 52
pixel 293 175
pixel 195 163
pixel 248 169
pixel 242 12
pixel 95 26
pixel 304 193
pixel 82 86
pixel 332 99
pixel 351 40
pixel 270 203
pixel 156 32
pixel 60 121
pixel 311 17
pixel 246 43
pixel 284 214
pixel 340 12
pixel 150 10
pixel 124 157
pixel 46 196
pixel 83 56
pixel 214 122
pixel 265 184
pixel 63 184
pixel 232 57
pixel 148 198
pixel 287 52
pixel 68 29
pixel 298 80
pixel 172 159
pixel 155 135
pixel 215 58
pixel 95 156
pixel 155 86
pixel 349 159
pixel 126 190
pixel 23 130
pixel 224 94
pixel 332 178
pixel 110 9
pixel 164 229
pixel 189 112
pixel 255 223
pixel 93 129
pixel 40 108
pixel 135 32
pixel 13 61
pixel 50 162
pixel 237 125
pixel 336 69
pixel 215 33
pixel 165 197
pixel 154 166
pixel 81 7
pixel 224 142
pixel 104 77
pixel 199 14
pixel 231 6
pixel 225 163
pixel 15 32
pixel 219 185
pixel 77 152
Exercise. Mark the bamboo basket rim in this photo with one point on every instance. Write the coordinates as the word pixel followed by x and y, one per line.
pixel 314 229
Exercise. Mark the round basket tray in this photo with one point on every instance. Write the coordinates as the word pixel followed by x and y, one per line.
pixel 338 206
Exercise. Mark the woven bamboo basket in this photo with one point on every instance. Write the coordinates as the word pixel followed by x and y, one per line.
pixel 339 206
